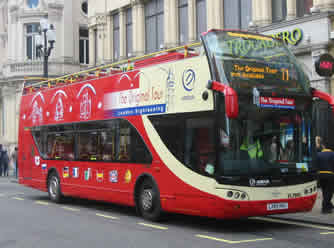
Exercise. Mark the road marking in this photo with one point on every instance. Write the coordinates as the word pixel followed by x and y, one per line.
pixel 107 216
pixel 153 226
pixel 231 241
pixel 293 223
pixel 18 198
pixel 1 195
pixel 71 209
pixel 42 203
pixel 327 233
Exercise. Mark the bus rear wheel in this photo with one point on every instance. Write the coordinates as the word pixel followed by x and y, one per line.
pixel 54 191
pixel 149 201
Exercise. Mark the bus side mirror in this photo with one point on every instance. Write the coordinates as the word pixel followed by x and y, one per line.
pixel 231 98
pixel 324 96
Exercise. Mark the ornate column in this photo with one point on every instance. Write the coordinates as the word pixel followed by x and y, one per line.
pixel 108 52
pixel 192 20
pixel 291 9
pixel 92 45
pixel 215 14
pixel 255 12
pixel 9 113
pixel 266 12
pixel 171 20
pixel 138 28
pixel 328 5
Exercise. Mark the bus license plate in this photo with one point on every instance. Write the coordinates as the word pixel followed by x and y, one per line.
pixel 277 206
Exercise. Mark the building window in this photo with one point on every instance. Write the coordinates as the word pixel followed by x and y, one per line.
pixel 32 3
pixel 237 14
pixel 183 21
pixel 83 46
pixel 304 7
pixel 32 30
pixel 278 10
pixel 154 25
pixel 116 36
pixel 201 19
pixel 129 31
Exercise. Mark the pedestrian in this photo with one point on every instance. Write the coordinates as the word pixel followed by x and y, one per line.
pixel 14 159
pixel 5 163
pixel 319 143
pixel 1 166
pixel 325 163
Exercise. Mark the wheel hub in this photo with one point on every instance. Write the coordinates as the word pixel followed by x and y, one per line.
pixel 53 187
pixel 147 199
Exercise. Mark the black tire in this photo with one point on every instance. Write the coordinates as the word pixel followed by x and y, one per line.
pixel 149 201
pixel 54 191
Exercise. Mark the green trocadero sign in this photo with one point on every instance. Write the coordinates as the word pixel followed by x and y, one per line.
pixel 290 37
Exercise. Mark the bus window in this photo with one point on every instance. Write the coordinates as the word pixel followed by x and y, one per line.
pixel 60 146
pixel 88 143
pixel 108 145
pixel 191 139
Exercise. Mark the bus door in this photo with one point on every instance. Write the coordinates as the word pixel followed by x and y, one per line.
pixel 28 153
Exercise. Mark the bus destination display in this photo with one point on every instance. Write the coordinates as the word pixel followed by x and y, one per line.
pixel 249 71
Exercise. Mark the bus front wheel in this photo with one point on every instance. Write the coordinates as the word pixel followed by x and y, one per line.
pixel 149 201
pixel 54 188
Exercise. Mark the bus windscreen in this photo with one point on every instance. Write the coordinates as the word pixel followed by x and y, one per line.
pixel 246 61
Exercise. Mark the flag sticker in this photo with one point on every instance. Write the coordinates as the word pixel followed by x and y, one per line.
pixel 113 176
pixel 44 166
pixel 75 172
pixel 99 176
pixel 66 172
pixel 87 174
pixel 37 160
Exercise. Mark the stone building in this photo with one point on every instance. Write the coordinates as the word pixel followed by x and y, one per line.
pixel 123 28
pixel 19 27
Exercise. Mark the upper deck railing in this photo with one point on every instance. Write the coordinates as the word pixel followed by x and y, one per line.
pixel 117 67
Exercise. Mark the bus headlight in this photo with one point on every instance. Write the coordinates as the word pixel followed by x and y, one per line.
pixel 237 195
pixel 310 190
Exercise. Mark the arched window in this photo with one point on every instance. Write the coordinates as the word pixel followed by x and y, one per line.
pixel 32 3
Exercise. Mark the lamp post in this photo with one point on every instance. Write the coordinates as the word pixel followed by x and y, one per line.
pixel 47 35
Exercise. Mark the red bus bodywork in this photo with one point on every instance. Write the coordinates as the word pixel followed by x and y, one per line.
pixel 176 194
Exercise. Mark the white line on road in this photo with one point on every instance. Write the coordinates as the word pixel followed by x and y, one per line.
pixel 42 203
pixel 293 223
pixel 71 209
pixel 327 233
pixel 18 198
pixel 107 216
pixel 153 226
pixel 231 241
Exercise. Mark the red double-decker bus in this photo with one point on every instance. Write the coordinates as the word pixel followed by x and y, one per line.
pixel 223 131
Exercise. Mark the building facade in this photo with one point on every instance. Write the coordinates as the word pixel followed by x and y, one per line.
pixel 19 29
pixel 120 29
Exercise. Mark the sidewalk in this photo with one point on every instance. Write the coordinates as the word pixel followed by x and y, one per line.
pixel 314 217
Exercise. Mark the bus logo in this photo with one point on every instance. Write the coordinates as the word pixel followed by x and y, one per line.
pixel 85 106
pixel 188 79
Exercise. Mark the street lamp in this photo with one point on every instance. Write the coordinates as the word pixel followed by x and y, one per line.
pixel 47 35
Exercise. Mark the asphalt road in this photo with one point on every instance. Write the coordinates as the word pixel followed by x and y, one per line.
pixel 29 219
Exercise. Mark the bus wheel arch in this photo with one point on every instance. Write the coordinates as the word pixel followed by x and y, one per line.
pixel 147 197
pixel 53 186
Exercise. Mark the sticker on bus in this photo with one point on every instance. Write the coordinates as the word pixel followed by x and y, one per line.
pixel 277 206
